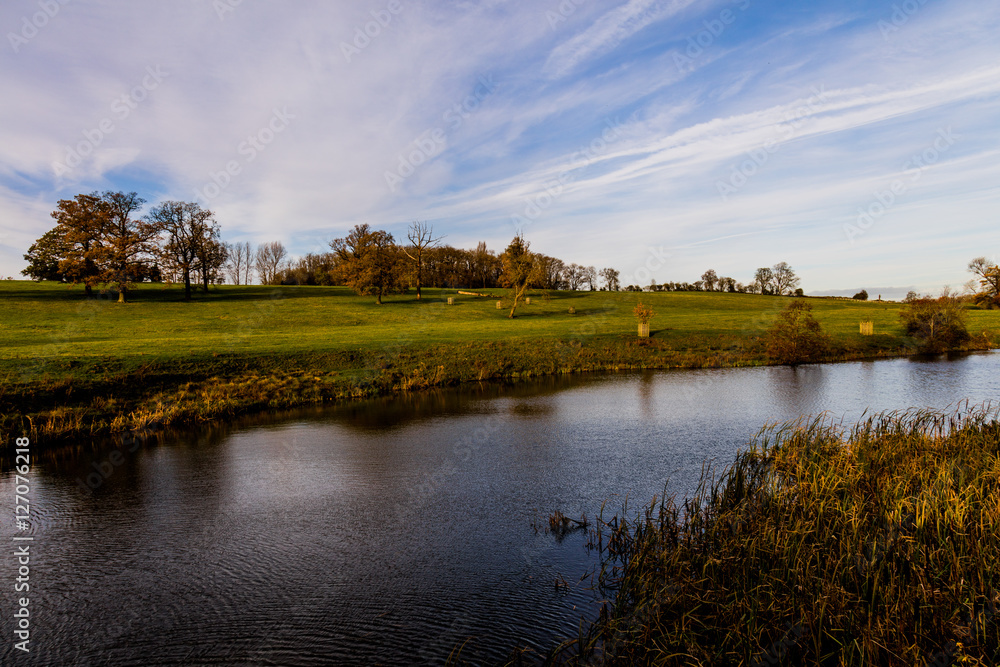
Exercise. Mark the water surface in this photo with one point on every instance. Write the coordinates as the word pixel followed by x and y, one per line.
pixel 387 532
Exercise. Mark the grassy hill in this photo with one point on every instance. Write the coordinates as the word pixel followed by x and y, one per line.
pixel 74 364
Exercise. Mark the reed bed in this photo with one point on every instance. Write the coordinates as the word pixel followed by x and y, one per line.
pixel 875 544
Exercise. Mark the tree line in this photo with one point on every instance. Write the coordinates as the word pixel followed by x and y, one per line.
pixel 778 280
pixel 100 239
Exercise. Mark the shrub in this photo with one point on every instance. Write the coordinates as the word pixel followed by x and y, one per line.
pixel 938 324
pixel 796 336
pixel 861 296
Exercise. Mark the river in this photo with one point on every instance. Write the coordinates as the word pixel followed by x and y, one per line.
pixel 388 531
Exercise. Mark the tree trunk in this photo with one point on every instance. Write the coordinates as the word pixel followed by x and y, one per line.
pixel 187 285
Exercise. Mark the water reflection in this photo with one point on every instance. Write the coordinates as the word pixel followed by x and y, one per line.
pixel 390 530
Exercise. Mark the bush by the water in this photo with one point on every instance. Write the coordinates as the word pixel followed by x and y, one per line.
pixel 938 324
pixel 796 336
pixel 876 545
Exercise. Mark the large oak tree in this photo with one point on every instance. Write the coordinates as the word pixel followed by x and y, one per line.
pixel 369 262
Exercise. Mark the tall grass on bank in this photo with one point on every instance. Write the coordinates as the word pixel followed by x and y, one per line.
pixel 874 545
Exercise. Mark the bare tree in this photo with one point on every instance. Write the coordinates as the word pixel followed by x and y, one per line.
pixel 268 260
pixel 763 279
pixel 421 237
pixel 783 278
pixel 187 227
pixel 485 265
pixel 573 274
pixel 610 278
pixel 710 278
pixel 212 254
pixel 589 278
pixel 239 262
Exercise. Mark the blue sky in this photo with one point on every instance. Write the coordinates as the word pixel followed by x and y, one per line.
pixel 857 141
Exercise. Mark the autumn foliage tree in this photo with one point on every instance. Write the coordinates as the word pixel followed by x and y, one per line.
pixel 796 336
pixel 989 280
pixel 518 270
pixel 369 262
pixel 79 234
pixel 937 324
pixel 126 241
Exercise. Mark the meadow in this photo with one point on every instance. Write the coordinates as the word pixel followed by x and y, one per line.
pixel 73 365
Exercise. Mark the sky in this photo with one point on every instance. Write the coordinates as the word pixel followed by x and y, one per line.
pixel 857 141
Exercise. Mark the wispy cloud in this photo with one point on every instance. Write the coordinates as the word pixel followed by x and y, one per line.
pixel 609 31
pixel 678 131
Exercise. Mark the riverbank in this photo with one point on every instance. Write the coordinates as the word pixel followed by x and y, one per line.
pixel 819 545
pixel 75 367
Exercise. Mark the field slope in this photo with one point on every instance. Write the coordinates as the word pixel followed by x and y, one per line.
pixel 72 365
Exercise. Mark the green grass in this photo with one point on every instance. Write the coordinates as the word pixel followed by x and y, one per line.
pixel 875 545
pixel 77 365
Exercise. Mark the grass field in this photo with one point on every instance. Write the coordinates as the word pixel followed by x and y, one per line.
pixel 77 365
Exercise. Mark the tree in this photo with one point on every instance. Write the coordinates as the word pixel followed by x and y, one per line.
pixel 267 261
pixel 763 280
pixel 573 275
pixel 710 278
pixel 125 243
pixel 185 227
pixel 519 269
pixel 727 284
pixel 783 279
pixel 989 279
pixel 589 278
pixel 212 255
pixel 610 278
pixel 549 272
pixel 421 237
pixel 369 262
pixel 796 336
pixel 938 324
pixel 239 262
pixel 861 296
pixel 45 254
pixel 485 266
pixel 81 223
